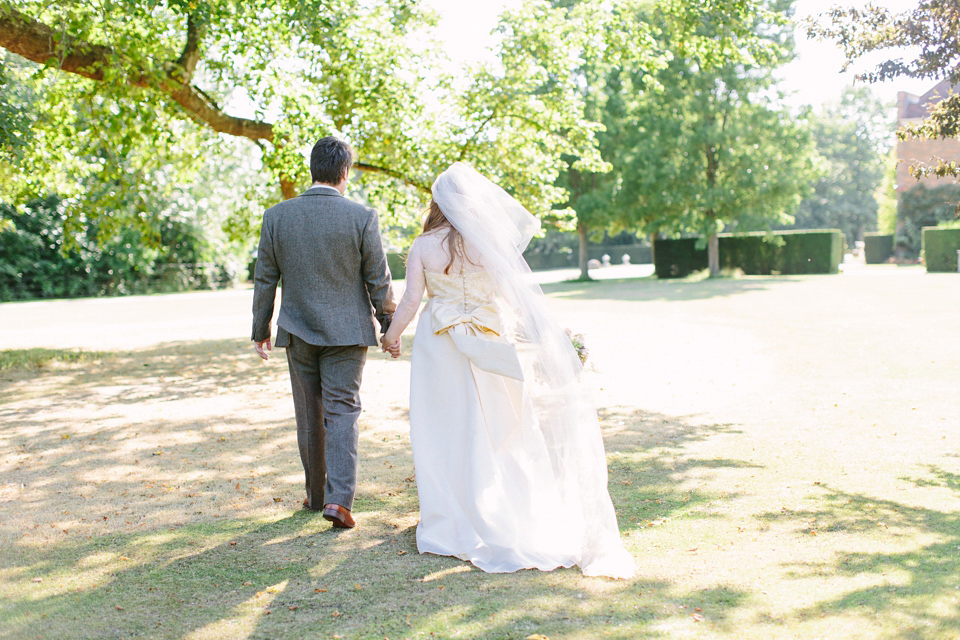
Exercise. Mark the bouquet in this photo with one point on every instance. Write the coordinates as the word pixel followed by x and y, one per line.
pixel 579 345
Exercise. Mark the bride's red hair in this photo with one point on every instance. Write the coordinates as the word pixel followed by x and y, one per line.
pixel 434 221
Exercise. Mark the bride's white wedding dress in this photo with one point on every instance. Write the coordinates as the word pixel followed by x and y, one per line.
pixel 488 489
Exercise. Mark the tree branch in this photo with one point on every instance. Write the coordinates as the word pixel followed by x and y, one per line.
pixel 362 166
pixel 33 40
pixel 472 139
pixel 191 50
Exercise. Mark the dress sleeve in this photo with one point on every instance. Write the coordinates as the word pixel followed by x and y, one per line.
pixel 413 291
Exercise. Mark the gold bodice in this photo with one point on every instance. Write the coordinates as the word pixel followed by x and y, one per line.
pixel 464 291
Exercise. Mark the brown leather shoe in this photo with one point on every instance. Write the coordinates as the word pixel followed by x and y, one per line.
pixel 306 505
pixel 339 516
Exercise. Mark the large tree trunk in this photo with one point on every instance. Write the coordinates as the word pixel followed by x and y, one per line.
pixel 584 238
pixel 713 254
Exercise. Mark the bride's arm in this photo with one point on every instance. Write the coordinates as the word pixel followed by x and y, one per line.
pixel 412 296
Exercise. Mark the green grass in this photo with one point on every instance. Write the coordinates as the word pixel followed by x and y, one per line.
pixel 777 470
pixel 25 359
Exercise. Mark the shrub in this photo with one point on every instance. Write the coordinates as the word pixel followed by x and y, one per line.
pixel 922 207
pixel 877 247
pixel 35 264
pixel 782 252
pixel 678 257
pixel 397 263
pixel 940 246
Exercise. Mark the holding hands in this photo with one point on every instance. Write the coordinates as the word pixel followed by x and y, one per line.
pixel 390 346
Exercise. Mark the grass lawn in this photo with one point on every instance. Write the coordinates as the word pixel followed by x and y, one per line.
pixel 784 457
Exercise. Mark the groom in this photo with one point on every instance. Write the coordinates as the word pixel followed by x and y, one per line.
pixel 327 250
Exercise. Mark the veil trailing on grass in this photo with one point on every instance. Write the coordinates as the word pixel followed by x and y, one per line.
pixel 498 228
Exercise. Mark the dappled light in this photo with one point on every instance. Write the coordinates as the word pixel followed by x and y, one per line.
pixel 754 484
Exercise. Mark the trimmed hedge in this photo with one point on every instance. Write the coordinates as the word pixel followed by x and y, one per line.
pixel 678 257
pixel 877 247
pixel 791 252
pixel 397 263
pixel 940 248
pixel 568 259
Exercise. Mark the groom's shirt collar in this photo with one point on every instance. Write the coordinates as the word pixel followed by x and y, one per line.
pixel 324 188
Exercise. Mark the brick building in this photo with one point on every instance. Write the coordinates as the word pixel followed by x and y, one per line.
pixel 911 109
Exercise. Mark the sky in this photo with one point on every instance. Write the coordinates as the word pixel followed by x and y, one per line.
pixel 813 78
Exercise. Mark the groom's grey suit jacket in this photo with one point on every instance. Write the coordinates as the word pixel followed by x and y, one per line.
pixel 328 251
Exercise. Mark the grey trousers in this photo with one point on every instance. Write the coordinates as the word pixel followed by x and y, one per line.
pixel 326 400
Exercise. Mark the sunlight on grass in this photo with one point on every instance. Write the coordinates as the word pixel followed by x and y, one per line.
pixel 245 619
pixel 157 493
pixel 15 359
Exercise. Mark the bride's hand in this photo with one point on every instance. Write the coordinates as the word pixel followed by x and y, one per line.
pixel 392 348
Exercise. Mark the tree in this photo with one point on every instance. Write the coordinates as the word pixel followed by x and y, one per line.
pixel 701 83
pixel 150 86
pixel 931 30
pixel 922 207
pixel 852 137
pixel 714 151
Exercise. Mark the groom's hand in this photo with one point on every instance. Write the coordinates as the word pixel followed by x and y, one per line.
pixel 262 347
pixel 393 349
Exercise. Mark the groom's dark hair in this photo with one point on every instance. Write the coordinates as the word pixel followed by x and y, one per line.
pixel 329 159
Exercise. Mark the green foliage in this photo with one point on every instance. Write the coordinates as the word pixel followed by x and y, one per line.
pixel 30 359
pixel 886 196
pixel 397 263
pixel 777 253
pixel 678 257
pixel 14 120
pixel 940 247
pixel 713 150
pixel 687 126
pixel 877 247
pixel 928 32
pixel 851 137
pixel 298 70
pixel 922 207
pixel 37 260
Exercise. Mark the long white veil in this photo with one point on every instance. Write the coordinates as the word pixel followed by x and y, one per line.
pixel 498 228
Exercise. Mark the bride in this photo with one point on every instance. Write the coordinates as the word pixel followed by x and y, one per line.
pixel 510 467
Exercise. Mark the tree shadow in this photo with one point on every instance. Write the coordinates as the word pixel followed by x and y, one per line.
pixel 162 513
pixel 913 580
pixel 651 288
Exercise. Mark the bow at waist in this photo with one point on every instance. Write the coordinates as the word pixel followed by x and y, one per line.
pixel 480 341
pixel 484 319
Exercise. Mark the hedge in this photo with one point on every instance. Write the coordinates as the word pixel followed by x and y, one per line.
pixel 569 259
pixel 397 263
pixel 791 252
pixel 940 248
pixel 877 247
pixel 678 258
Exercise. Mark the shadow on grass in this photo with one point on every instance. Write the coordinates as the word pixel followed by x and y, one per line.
pixel 182 524
pixel 651 288
pixel 916 584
